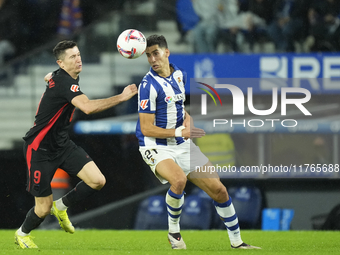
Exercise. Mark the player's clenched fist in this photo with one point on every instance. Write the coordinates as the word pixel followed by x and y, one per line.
pixel 129 91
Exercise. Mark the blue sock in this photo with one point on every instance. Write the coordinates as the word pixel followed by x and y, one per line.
pixel 227 213
pixel 174 205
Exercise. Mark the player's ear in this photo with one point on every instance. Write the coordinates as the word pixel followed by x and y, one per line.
pixel 167 52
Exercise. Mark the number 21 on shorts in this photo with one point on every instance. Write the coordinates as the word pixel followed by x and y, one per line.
pixel 149 156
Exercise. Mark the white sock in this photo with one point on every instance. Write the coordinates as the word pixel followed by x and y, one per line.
pixel 20 233
pixel 60 205
pixel 227 212
pixel 174 204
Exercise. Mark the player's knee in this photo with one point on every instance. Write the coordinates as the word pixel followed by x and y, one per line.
pixel 99 183
pixel 43 210
pixel 102 182
pixel 220 194
pixel 179 184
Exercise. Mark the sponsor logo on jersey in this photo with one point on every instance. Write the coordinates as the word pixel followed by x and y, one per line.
pixel 74 88
pixel 168 99
pixel 179 97
pixel 144 104
pixel 174 98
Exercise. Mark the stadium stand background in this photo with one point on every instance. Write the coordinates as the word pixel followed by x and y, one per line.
pixel 21 85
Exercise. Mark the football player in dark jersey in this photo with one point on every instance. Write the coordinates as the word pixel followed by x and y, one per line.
pixel 48 147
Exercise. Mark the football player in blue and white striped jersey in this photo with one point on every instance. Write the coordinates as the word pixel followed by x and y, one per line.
pixel 164 129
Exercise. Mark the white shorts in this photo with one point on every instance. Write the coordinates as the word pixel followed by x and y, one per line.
pixel 187 155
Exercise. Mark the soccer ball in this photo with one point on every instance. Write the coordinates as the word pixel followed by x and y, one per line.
pixel 131 43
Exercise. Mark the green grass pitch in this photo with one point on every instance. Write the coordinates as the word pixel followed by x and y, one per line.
pixel 88 242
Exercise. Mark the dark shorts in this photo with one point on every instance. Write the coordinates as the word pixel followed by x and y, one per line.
pixel 41 168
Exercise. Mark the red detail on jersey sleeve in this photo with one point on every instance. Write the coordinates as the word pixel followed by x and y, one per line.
pixel 144 104
pixel 74 88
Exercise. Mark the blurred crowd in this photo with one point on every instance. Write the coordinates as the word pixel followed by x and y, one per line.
pixel 25 25
pixel 315 23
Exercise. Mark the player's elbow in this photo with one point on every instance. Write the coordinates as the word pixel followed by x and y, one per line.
pixel 87 109
pixel 84 104
pixel 145 131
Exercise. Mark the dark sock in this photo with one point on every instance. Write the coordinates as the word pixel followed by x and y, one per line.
pixel 31 222
pixel 80 192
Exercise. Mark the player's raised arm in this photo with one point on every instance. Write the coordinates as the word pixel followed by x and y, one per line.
pixel 94 106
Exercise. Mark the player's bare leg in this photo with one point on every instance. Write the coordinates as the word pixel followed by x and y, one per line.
pixel 211 184
pixel 92 176
pixel 93 180
pixel 170 171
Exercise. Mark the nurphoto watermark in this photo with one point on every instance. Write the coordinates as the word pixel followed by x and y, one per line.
pixel 296 97
pixel 242 105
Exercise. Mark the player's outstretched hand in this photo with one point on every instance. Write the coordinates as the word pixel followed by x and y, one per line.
pixel 196 132
pixel 129 91
pixel 192 132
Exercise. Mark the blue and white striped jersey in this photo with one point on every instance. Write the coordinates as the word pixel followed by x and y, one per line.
pixel 165 98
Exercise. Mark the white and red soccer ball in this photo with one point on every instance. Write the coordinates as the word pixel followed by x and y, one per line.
pixel 131 43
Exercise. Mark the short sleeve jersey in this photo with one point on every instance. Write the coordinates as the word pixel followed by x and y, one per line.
pixel 54 114
pixel 165 98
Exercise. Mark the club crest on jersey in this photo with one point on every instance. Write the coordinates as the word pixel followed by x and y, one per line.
pixel 180 81
pixel 144 104
pixel 74 88
pixel 168 99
